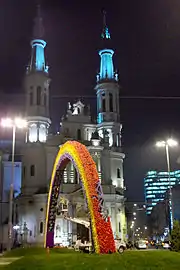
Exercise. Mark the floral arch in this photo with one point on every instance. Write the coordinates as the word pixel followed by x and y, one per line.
pixel 100 225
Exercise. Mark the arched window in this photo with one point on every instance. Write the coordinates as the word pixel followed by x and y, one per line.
pixel 31 99
pixel 117 140
pixel 41 227
pixel 79 134
pixel 103 102
pixel 32 170
pixel 42 133
pixel 57 230
pixel 79 111
pixel 118 173
pixel 33 133
pixel 39 95
pixel 24 171
pixel 110 102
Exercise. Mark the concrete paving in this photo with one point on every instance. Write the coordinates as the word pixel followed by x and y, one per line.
pixel 6 260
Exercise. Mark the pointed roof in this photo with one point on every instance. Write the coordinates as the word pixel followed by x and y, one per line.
pixel 38 30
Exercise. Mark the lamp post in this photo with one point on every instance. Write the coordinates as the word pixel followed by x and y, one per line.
pixel 12 123
pixel 166 144
pixel 133 228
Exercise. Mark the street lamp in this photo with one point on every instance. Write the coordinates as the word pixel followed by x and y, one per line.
pixel 166 144
pixel 12 123
pixel 133 231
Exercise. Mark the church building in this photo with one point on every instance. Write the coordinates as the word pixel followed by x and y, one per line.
pixel 102 138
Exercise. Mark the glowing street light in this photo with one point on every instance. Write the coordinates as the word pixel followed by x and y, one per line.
pixel 12 123
pixel 166 144
pixel 170 142
pixel 134 214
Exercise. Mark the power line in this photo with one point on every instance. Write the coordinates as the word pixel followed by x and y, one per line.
pixel 121 97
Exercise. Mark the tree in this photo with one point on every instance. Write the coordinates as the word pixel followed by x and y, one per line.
pixel 175 236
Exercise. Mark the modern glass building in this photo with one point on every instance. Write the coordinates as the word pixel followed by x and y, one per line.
pixel 155 186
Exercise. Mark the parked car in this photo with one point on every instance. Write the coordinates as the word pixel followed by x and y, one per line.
pixel 166 245
pixel 120 245
pixel 141 244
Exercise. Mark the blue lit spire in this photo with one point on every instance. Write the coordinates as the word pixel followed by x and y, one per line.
pixel 38 44
pixel 106 54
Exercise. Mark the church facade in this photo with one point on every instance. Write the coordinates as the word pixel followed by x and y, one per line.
pixel 103 140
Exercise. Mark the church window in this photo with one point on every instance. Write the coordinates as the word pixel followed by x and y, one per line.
pixel 39 95
pixel 31 99
pixel 117 140
pixel 24 172
pixel 87 134
pixel 32 170
pixel 42 133
pixel 110 102
pixel 79 134
pixel 118 173
pixel 33 133
pixel 41 227
pixel 30 233
pixel 103 102
pixel 119 227
pixel 79 111
pixel 57 230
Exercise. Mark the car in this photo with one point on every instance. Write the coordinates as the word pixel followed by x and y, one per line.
pixel 141 244
pixel 166 245
pixel 120 245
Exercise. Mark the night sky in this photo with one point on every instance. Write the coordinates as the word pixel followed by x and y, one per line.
pixel 146 40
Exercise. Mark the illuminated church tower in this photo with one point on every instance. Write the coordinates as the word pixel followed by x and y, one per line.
pixel 37 86
pixel 107 91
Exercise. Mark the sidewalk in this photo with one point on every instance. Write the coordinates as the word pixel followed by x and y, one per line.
pixel 6 260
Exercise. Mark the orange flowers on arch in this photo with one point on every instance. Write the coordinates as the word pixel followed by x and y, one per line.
pixel 100 224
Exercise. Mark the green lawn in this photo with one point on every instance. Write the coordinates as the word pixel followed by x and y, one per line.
pixel 37 259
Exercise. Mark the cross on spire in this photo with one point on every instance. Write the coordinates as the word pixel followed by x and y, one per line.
pixel 105 33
